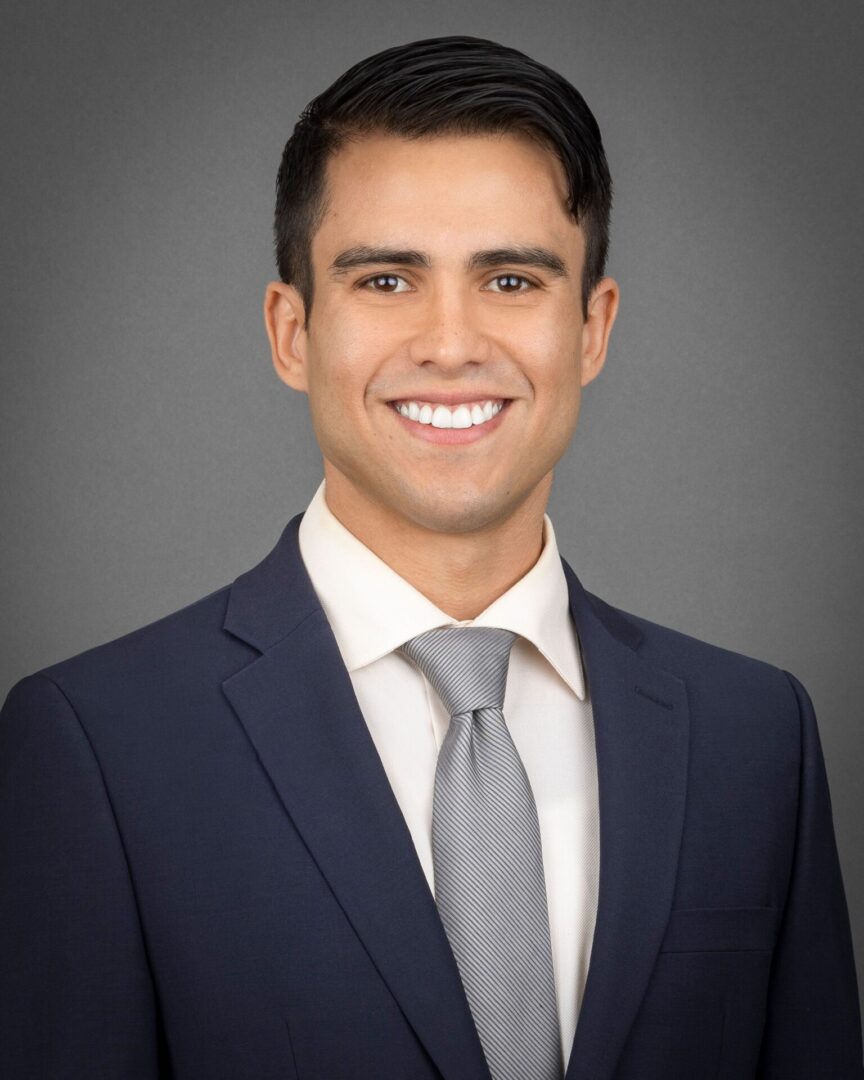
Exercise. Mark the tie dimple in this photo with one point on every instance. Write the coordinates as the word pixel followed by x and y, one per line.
pixel 487 856
pixel 466 665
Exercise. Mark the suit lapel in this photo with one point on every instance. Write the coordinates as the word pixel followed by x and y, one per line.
pixel 641 723
pixel 298 707
pixel 300 712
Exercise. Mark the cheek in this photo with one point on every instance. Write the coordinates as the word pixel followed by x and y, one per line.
pixel 338 371
pixel 339 375
pixel 555 372
pixel 347 350
pixel 557 389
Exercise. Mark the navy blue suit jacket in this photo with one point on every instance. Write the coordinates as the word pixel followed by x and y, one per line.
pixel 204 872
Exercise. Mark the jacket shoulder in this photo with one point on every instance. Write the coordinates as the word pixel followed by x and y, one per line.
pixel 708 668
pixel 175 648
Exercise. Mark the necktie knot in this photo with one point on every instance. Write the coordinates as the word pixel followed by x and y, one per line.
pixel 466 665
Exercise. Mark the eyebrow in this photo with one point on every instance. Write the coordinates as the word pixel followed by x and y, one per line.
pixel 362 255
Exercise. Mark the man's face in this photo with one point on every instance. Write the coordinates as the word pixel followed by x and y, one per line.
pixel 447 273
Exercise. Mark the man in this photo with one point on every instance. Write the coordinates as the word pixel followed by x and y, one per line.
pixel 406 800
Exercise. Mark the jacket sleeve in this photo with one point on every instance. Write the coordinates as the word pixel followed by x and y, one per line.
pixel 76 997
pixel 813 1024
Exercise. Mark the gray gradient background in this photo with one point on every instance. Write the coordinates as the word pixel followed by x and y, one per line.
pixel 714 484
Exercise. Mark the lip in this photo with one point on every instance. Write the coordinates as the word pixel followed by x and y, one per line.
pixel 451 397
pixel 450 436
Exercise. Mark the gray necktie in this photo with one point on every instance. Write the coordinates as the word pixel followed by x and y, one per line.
pixel 486 851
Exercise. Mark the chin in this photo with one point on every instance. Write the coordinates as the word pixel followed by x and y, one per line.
pixel 444 513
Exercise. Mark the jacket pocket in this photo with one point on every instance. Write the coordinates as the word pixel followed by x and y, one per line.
pixel 721 928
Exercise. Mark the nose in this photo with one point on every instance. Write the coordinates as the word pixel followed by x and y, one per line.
pixel 449 335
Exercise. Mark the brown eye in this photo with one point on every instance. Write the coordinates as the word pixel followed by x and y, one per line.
pixel 385 283
pixel 511 283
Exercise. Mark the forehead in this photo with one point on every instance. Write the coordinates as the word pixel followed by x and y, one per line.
pixel 444 191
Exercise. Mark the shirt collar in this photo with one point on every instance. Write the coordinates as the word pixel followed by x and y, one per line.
pixel 372 610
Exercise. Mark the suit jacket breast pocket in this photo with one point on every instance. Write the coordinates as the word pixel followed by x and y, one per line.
pixel 718 929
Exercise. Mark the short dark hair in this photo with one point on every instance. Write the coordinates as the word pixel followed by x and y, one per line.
pixel 443 85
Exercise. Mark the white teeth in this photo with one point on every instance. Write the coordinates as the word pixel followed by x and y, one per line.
pixel 440 416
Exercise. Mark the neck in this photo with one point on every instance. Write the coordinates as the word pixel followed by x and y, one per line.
pixel 461 573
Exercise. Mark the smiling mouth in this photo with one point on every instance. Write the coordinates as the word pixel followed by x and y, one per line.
pixel 465 414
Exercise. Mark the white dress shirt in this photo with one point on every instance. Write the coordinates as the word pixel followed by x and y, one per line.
pixel 372 611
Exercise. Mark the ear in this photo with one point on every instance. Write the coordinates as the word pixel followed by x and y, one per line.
pixel 602 309
pixel 286 330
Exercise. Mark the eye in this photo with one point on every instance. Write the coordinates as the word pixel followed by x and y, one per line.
pixel 510 280
pixel 390 281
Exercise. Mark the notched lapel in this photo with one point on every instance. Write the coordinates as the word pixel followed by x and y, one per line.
pixel 299 709
pixel 642 729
